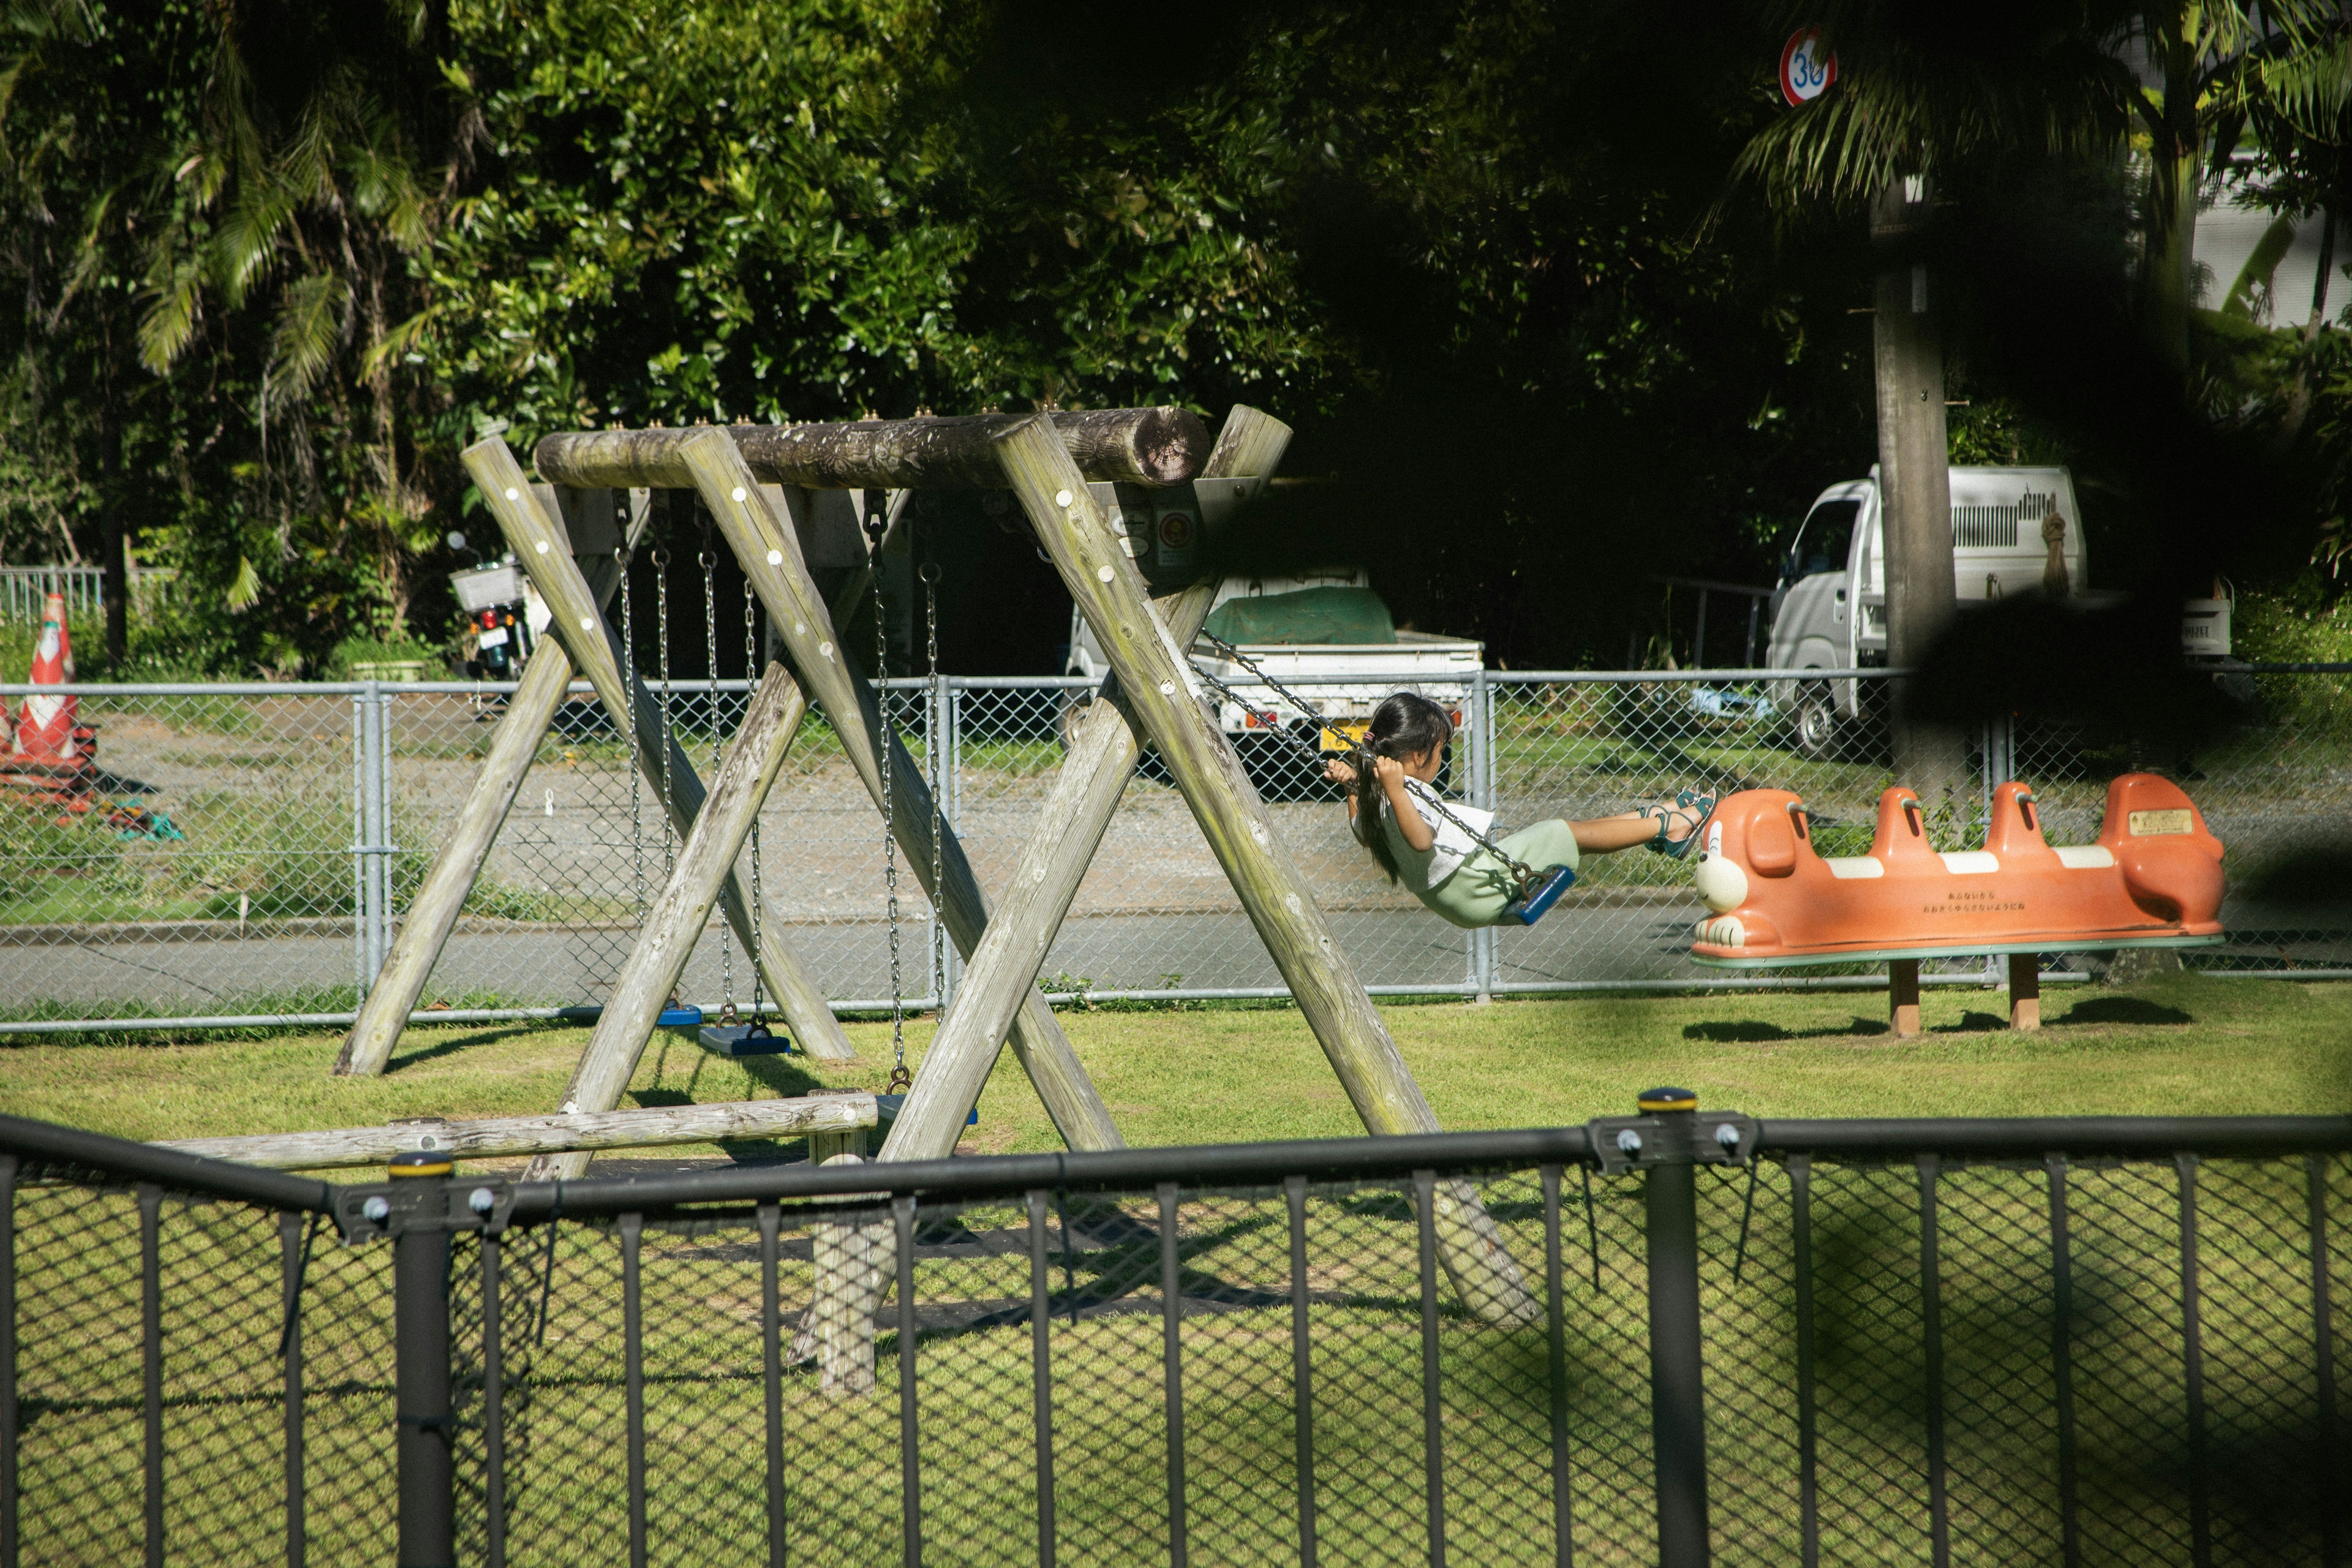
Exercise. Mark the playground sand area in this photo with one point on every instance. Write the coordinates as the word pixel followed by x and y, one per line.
pixel 2181 1045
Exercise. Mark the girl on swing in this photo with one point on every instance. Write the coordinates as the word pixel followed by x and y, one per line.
pixel 1394 812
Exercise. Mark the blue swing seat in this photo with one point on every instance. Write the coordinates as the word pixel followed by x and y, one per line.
pixel 1530 906
pixel 678 1018
pixel 752 1039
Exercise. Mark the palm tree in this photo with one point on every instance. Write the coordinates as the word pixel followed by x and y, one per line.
pixel 303 195
pixel 1924 93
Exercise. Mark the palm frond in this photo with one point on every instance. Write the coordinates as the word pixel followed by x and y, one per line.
pixel 305 337
pixel 176 288
pixel 245 243
pixel 1920 90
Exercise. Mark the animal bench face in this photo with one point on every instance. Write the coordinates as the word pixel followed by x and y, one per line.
pixel 2153 878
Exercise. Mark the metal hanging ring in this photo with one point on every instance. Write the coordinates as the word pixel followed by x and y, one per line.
pixel 930 571
pixel 902 1080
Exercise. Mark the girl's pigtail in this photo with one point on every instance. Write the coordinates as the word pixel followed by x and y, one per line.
pixel 1401 726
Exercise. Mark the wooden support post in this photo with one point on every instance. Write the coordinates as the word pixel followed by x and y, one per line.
pixel 747 772
pixel 1902 996
pixel 457 864
pixel 579 624
pixel 1036 899
pixel 1158 683
pixel 768 548
pixel 2025 991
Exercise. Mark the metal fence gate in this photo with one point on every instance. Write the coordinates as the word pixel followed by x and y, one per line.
pixel 252 847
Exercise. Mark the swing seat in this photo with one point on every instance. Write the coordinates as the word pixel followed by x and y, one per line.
pixel 2153 878
pixel 1530 906
pixel 752 1039
pixel 678 1018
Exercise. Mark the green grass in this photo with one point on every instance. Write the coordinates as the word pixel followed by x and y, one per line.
pixel 2187 1045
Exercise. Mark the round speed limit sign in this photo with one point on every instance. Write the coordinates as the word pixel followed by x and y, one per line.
pixel 1806 68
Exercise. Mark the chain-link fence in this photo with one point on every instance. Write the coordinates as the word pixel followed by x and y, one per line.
pixel 245 852
pixel 2054 1342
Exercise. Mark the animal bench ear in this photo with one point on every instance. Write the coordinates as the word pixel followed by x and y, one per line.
pixel 1771 844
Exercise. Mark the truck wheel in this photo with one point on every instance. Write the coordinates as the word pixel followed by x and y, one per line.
pixel 1815 724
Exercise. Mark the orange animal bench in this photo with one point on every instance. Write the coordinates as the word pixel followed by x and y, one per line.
pixel 2152 880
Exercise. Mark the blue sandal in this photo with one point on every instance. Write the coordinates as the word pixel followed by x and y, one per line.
pixel 1691 805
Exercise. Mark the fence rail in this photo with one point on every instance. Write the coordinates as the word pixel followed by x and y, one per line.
pixel 1953 1342
pixel 252 847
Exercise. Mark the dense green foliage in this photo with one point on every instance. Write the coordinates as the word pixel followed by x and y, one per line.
pixel 278 266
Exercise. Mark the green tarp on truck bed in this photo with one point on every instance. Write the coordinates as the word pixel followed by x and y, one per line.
pixel 1309 615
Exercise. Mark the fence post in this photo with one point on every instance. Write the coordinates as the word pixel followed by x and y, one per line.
pixel 359 974
pixel 1482 795
pixel 419 1223
pixel 379 831
pixel 1678 1395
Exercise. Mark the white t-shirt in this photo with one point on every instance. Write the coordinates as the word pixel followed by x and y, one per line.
pixel 1452 846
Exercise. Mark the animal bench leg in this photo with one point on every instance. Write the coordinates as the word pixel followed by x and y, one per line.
pixel 1902 997
pixel 2025 991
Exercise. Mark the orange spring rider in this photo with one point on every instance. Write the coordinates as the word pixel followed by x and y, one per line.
pixel 2153 878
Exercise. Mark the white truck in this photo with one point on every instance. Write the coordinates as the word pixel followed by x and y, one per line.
pixel 1328 638
pixel 1829 608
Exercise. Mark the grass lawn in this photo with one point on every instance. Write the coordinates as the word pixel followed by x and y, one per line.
pixel 2187 1045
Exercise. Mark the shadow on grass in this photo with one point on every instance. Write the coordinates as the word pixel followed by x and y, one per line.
pixel 1756 1032
pixel 450 1045
pixel 2122 1010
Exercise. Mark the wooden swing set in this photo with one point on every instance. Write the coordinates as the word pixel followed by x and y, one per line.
pixel 758 483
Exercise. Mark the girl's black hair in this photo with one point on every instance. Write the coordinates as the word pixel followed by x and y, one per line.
pixel 1402 726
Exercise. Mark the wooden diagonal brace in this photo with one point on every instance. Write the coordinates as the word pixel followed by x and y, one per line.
pixel 1036 899
pixel 457 864
pixel 593 647
pixel 747 772
pixel 1156 680
pixel 768 548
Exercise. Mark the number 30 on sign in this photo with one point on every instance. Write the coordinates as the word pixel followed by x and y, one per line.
pixel 1806 68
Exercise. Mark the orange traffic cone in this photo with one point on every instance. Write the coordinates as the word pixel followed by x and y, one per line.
pixel 47 730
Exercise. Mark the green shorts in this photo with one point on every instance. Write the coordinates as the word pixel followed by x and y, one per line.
pixel 1482 885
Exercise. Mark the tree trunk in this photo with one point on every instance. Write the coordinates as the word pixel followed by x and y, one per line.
pixel 1914 475
pixel 2175 161
pixel 114 548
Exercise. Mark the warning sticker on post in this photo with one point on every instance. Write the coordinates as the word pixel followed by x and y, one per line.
pixel 2150 824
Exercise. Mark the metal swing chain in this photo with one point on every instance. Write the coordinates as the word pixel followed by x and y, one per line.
pixel 877 522
pixel 1362 754
pixel 934 749
pixel 708 562
pixel 629 721
pixel 661 666
pixel 750 668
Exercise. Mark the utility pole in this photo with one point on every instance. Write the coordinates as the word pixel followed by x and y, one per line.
pixel 1915 486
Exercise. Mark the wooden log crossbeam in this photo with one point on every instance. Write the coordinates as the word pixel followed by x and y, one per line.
pixel 1137 445
pixel 1036 899
pixel 501 1136
pixel 593 647
pixel 1158 684
pixel 457 863
pixel 768 548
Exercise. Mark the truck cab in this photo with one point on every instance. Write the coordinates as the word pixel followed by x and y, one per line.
pixel 1829 606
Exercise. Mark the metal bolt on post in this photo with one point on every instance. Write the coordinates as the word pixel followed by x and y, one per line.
pixel 1670 1149
pixel 418 1220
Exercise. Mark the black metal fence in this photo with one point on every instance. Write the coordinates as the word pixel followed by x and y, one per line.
pixel 2061 1342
